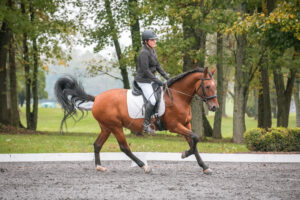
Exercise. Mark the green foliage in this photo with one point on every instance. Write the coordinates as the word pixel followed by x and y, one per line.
pixel 253 138
pixel 275 139
pixel 280 29
pixel 295 139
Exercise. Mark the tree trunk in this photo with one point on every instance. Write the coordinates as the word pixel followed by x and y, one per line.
pixel 226 79
pixel 284 96
pixel 264 102
pixel 27 81
pixel 14 116
pixel 35 86
pixel 297 102
pixel 197 118
pixel 123 68
pixel 4 39
pixel 240 91
pixel 188 64
pixel 134 29
pixel 256 105
pixel 218 115
pixel 27 74
pixel 34 113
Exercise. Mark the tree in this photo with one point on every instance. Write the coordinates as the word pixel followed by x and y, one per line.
pixel 14 112
pixel 264 102
pixel 4 38
pixel 134 14
pixel 221 19
pixel 36 26
pixel 243 76
pixel 110 22
pixel 279 32
pixel 218 116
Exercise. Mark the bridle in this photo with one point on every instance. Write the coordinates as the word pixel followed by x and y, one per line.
pixel 205 98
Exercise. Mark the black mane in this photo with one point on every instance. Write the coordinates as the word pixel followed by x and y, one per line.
pixel 180 76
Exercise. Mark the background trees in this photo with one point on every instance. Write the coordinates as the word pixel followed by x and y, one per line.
pixel 254 45
pixel 29 30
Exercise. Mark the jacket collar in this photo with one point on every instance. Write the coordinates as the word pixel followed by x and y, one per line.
pixel 148 49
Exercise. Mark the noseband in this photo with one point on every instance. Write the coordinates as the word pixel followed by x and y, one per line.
pixel 205 98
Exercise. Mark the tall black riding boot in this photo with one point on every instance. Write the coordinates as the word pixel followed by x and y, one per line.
pixel 148 112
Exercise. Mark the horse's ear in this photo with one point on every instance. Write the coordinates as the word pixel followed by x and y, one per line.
pixel 213 70
pixel 205 71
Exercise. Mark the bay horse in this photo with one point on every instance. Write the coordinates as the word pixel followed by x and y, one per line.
pixel 110 110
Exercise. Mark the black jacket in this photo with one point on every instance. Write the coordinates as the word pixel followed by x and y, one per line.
pixel 148 65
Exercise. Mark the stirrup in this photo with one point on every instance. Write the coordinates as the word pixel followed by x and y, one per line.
pixel 148 129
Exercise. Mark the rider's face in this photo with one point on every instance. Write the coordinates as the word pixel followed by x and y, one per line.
pixel 152 43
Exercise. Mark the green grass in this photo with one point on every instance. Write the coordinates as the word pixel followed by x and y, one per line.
pixel 79 142
pixel 81 136
pixel 50 118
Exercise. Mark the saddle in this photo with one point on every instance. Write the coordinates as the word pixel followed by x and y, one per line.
pixel 137 91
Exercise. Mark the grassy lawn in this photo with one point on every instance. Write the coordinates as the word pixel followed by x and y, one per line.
pixel 78 142
pixel 81 136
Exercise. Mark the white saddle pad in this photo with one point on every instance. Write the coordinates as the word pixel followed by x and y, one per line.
pixel 135 105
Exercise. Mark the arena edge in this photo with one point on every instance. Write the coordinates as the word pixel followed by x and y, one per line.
pixel 274 139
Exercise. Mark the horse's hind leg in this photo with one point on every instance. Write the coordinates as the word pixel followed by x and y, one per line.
pixel 98 146
pixel 119 134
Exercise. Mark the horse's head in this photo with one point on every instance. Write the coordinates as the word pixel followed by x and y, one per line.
pixel 206 89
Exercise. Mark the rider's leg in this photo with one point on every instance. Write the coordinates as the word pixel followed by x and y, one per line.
pixel 151 101
pixel 148 112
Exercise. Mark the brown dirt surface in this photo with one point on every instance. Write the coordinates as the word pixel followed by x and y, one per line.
pixel 168 180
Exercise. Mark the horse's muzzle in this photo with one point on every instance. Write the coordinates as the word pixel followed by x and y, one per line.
pixel 213 108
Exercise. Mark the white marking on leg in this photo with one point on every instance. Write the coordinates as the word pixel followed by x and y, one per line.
pixel 100 168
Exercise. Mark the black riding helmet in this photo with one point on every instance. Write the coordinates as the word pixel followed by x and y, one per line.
pixel 148 35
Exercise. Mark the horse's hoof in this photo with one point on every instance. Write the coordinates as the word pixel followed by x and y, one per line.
pixel 100 168
pixel 183 155
pixel 208 171
pixel 147 169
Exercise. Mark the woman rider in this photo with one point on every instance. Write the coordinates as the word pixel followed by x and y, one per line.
pixel 145 76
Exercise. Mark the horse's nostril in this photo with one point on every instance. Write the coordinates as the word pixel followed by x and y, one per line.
pixel 214 108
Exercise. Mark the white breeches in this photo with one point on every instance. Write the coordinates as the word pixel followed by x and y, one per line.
pixel 148 92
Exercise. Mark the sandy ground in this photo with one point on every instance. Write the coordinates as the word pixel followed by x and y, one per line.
pixel 168 180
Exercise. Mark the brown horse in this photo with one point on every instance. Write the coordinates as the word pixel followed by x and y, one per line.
pixel 110 110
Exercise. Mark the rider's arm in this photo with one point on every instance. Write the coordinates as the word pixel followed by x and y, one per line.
pixel 159 68
pixel 144 65
pixel 162 72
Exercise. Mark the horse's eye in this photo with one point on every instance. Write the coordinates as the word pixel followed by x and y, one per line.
pixel 207 87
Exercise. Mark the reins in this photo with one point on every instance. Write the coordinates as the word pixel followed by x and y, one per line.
pixel 204 98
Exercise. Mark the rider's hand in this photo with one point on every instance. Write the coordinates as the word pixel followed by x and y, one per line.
pixel 159 82
pixel 165 83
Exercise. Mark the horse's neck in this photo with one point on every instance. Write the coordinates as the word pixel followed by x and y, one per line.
pixel 186 87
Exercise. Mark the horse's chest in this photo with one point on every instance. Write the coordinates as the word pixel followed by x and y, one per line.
pixel 185 116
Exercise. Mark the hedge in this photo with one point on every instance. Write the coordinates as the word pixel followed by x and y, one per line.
pixel 273 139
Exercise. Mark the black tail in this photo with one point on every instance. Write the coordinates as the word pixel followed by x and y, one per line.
pixel 70 94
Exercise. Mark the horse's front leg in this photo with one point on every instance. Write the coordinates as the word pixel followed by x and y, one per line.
pixel 193 140
pixel 191 137
pixel 206 169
